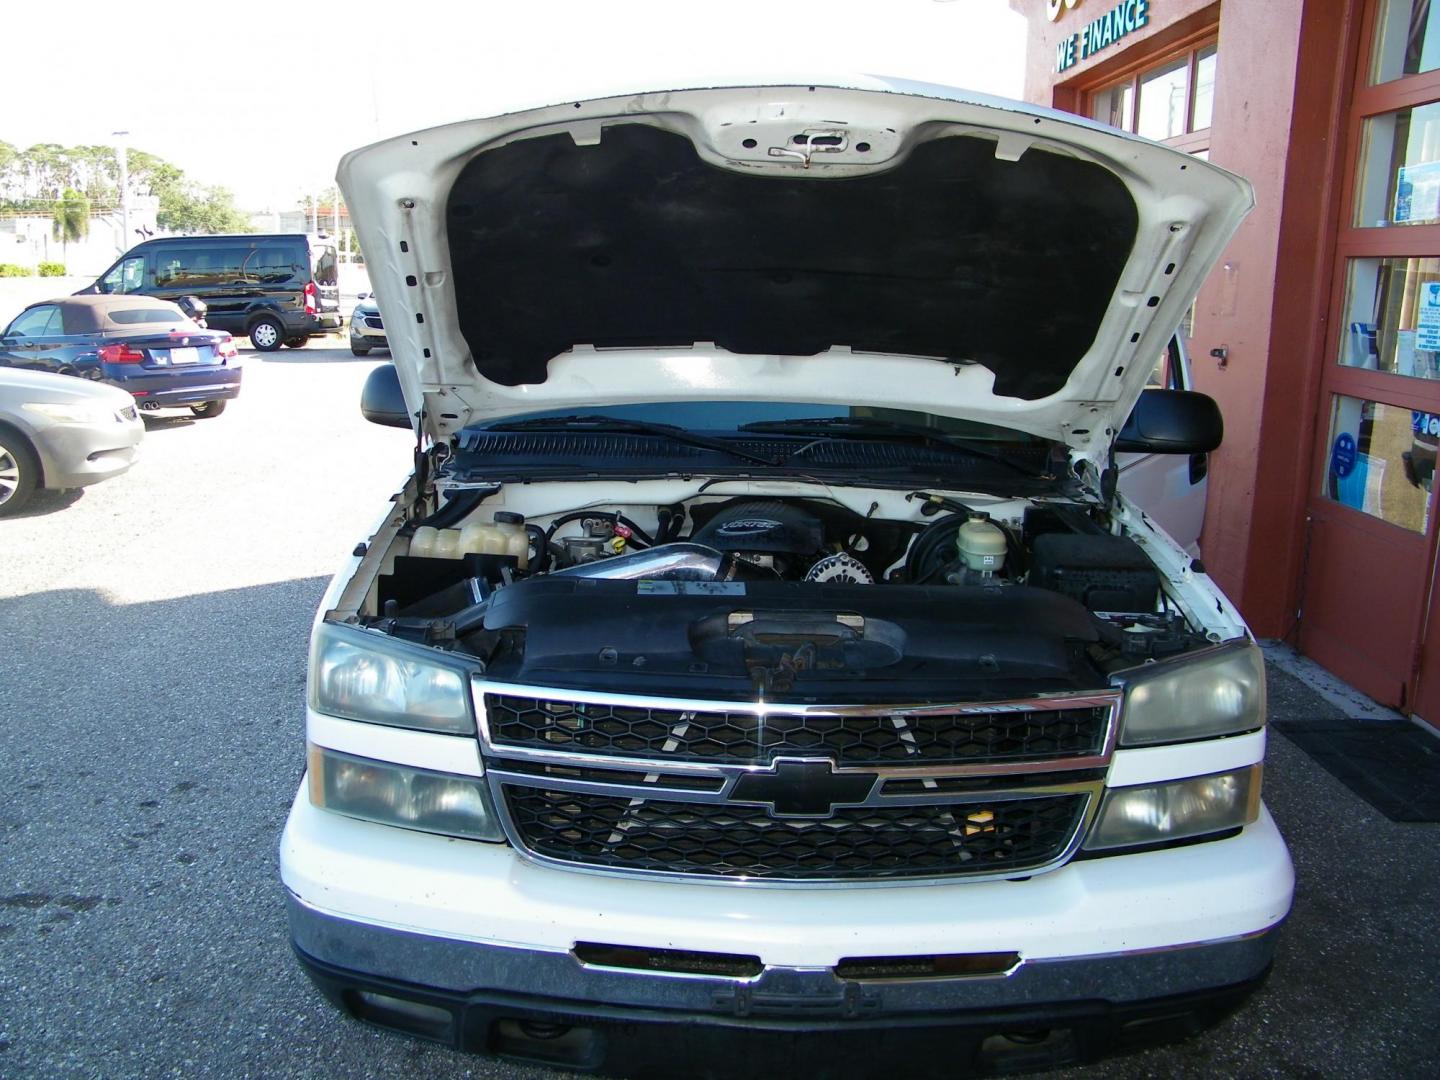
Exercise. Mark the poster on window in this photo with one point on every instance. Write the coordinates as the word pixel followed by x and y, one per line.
pixel 1427 317
pixel 1417 193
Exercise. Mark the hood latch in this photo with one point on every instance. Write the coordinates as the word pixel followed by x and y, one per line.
pixel 809 143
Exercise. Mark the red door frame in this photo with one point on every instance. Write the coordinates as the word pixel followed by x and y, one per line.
pixel 1350 242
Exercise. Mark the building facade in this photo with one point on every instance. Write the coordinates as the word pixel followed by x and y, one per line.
pixel 1319 332
pixel 27 238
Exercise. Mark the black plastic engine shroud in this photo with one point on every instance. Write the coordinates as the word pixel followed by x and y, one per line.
pixel 692 638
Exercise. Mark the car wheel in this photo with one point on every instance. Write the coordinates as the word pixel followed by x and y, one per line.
pixel 208 409
pixel 19 471
pixel 296 342
pixel 359 350
pixel 267 334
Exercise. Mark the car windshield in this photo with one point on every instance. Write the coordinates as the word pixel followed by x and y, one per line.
pixel 730 416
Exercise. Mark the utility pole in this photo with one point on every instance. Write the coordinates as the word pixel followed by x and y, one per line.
pixel 335 223
pixel 315 213
pixel 121 160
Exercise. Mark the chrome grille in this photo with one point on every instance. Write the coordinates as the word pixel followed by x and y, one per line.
pixel 733 840
pixel 982 735
pixel 704 790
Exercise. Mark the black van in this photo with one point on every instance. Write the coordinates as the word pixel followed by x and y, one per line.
pixel 279 289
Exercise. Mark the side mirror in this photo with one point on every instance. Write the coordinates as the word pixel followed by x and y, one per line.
pixel 1172 422
pixel 362 296
pixel 382 401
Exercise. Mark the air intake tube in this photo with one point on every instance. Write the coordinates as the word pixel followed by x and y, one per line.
pixel 665 562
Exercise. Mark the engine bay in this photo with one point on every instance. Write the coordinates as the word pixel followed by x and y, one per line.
pixel 808 596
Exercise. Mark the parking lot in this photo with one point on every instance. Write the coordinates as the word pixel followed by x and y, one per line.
pixel 154 631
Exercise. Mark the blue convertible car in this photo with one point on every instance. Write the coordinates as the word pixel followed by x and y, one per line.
pixel 145 346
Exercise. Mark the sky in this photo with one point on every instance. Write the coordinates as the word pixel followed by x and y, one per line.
pixel 263 98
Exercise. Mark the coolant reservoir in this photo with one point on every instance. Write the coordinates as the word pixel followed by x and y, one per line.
pixel 482 538
pixel 447 544
pixel 517 541
pixel 504 536
pixel 422 544
pixel 981 546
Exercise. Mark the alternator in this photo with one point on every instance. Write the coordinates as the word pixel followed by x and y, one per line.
pixel 841 567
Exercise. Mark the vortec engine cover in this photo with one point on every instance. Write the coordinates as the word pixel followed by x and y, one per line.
pixel 768 526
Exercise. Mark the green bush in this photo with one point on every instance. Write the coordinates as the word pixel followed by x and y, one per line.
pixel 52 269
pixel 11 270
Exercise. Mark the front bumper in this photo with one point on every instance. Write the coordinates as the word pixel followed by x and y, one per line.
pixel 362 334
pixel 75 455
pixel 550 1008
pixel 1173 938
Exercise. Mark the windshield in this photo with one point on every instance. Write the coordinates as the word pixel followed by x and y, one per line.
pixel 730 416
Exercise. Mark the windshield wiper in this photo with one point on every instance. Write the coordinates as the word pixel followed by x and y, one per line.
pixel 613 425
pixel 847 427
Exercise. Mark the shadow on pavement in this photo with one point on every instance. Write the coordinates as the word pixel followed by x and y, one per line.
pixel 166 421
pixel 47 502
pixel 149 753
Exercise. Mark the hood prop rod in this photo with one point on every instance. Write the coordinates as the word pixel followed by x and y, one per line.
pixel 422 472
pixel 1109 480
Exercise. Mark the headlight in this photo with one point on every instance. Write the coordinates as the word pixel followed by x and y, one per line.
pixel 362 675
pixel 1178 810
pixel 71 413
pixel 1221 692
pixel 401 795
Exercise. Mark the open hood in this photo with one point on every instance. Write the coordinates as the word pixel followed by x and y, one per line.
pixel 882 243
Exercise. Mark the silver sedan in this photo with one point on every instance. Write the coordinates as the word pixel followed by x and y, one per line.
pixel 58 431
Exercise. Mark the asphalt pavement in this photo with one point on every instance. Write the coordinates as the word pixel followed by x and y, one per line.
pixel 153 634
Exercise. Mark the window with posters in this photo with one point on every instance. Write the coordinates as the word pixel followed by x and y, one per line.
pixel 1399 173
pixel 1382 459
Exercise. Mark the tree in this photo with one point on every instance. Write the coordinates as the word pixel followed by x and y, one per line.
pixel 47 174
pixel 9 186
pixel 72 218
pixel 193 209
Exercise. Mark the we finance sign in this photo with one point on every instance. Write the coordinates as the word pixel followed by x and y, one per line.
pixel 1124 18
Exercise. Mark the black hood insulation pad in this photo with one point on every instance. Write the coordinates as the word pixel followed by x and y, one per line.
pixel 636 241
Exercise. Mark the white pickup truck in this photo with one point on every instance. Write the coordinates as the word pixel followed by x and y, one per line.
pixel 765 665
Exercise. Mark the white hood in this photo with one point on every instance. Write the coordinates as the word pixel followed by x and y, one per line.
pixel 884 244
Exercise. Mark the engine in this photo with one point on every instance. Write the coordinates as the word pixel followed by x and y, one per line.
pixel 782 537
pixel 777 591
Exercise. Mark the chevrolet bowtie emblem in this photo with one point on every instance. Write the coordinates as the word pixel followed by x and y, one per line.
pixel 803 788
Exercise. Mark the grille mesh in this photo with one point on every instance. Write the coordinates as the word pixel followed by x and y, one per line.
pixel 742 738
pixel 735 840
